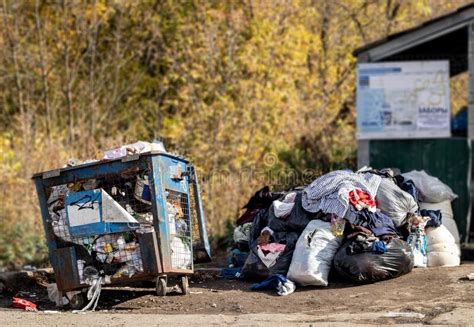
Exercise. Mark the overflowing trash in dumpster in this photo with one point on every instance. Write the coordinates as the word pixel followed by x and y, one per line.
pixel 134 215
pixel 368 226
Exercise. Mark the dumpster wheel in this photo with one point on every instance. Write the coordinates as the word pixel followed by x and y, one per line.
pixel 185 285
pixel 161 286
pixel 77 301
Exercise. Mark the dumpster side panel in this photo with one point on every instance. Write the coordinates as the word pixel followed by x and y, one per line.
pixel 65 269
pixel 171 186
pixel 150 253
pixel 203 252
pixel 160 214
pixel 40 191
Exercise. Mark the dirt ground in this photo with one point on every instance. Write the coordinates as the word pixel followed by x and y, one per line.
pixel 433 292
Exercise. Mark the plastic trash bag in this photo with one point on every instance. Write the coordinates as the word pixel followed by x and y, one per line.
pixel 394 202
pixel 296 221
pixel 242 233
pixel 431 188
pixel 417 239
pixel 369 267
pixel 447 214
pixel 313 254
pixel 181 256
pixel 254 268
pixel 55 296
pixel 442 249
pixel 444 258
pixel 283 208
pixel 438 235
pixel 134 148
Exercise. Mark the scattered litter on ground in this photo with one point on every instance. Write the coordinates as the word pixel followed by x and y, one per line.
pixel 20 303
pixel 29 268
pixel 393 314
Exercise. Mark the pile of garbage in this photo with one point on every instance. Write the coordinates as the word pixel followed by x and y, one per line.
pixel 370 225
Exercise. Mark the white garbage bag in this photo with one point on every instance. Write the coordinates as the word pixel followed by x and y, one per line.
pixel 443 259
pixel 450 224
pixel 181 255
pixel 431 188
pixel 54 295
pixel 394 202
pixel 442 249
pixel 438 235
pixel 447 216
pixel 242 233
pixel 283 208
pixel 314 251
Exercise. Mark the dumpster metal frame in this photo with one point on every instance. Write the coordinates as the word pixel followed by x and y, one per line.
pixel 154 246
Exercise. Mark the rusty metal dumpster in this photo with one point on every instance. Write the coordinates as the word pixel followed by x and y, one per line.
pixel 138 218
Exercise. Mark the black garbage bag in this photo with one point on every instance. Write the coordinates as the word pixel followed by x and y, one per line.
pixel 254 268
pixel 296 220
pixel 370 267
pixel 262 199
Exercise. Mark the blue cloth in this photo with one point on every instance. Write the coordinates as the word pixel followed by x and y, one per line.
pixel 271 282
pixel 231 273
pixel 408 186
pixel 237 258
pixel 377 222
pixel 379 247
pixel 435 217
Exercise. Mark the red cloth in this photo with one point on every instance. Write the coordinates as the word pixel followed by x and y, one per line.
pixel 23 304
pixel 360 200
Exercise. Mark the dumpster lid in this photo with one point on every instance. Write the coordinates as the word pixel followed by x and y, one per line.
pixel 57 172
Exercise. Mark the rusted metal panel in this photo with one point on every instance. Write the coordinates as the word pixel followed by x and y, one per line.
pixel 205 248
pixel 179 271
pixel 150 253
pixel 64 263
pixel 48 230
pixel 135 278
pixel 85 172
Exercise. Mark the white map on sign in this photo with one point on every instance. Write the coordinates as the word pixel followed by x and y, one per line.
pixel 403 100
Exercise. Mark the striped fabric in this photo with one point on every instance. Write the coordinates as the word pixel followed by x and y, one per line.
pixel 330 192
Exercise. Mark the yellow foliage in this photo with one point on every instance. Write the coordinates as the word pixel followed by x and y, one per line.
pixel 243 88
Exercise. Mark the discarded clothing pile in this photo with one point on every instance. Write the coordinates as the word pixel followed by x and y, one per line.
pixel 261 200
pixel 368 225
